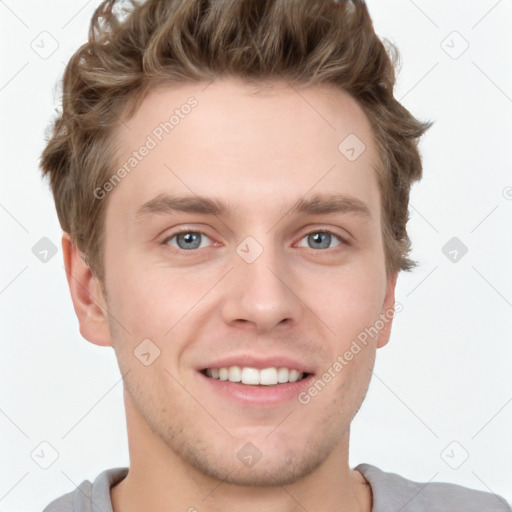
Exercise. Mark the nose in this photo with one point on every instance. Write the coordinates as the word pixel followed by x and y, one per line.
pixel 260 295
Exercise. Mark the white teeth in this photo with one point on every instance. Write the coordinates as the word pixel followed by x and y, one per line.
pixel 235 374
pixel 294 376
pixel 268 376
pixel 282 375
pixel 250 376
pixel 254 377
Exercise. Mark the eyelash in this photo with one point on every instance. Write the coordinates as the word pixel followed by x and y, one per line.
pixel 175 250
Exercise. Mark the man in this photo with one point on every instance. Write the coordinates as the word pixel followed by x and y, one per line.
pixel 232 178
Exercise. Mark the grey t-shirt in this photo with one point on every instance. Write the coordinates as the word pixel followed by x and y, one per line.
pixel 391 493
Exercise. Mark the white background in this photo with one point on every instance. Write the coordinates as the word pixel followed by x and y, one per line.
pixel 444 377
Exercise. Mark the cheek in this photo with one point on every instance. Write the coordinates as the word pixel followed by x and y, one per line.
pixel 347 301
pixel 150 298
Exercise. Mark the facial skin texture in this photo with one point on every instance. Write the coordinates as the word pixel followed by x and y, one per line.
pixel 258 154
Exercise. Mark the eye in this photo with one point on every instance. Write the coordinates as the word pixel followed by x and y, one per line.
pixel 321 239
pixel 186 240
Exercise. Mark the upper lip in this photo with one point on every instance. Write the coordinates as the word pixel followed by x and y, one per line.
pixel 259 362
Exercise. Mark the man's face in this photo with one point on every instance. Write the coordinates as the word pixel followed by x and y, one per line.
pixel 258 285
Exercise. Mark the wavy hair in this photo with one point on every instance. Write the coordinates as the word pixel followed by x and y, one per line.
pixel 133 47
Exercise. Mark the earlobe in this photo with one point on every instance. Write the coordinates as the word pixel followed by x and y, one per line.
pixel 88 301
pixel 387 312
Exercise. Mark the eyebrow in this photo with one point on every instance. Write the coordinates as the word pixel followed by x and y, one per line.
pixel 164 204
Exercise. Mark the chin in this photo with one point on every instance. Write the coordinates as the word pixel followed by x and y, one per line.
pixel 251 467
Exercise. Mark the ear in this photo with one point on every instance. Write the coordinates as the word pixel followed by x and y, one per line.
pixel 87 296
pixel 388 307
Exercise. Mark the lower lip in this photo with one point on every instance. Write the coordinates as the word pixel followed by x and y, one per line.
pixel 258 396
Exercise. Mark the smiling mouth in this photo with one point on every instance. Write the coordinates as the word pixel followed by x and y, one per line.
pixel 255 377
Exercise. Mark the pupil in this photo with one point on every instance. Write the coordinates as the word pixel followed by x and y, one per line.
pixel 190 240
pixel 321 239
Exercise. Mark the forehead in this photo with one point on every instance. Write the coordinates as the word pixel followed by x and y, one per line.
pixel 246 145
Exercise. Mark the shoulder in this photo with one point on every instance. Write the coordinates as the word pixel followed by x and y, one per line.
pixel 394 492
pixel 70 502
pixel 89 497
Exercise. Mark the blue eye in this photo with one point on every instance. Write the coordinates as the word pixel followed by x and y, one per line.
pixel 321 239
pixel 192 240
pixel 187 240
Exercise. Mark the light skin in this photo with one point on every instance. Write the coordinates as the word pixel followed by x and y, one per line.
pixel 258 154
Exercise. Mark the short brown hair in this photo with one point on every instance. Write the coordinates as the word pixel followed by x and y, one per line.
pixel 304 42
